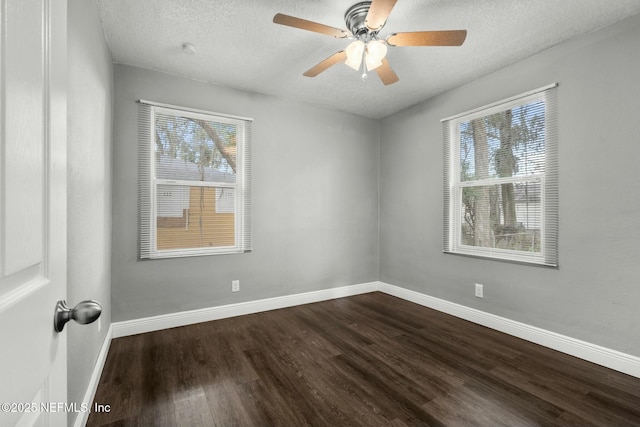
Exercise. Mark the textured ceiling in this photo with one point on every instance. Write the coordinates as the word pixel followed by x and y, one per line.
pixel 238 45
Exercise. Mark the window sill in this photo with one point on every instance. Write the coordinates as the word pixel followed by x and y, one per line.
pixel 194 253
pixel 536 261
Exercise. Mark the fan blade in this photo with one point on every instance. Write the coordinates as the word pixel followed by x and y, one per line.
pixel 428 38
pixel 303 24
pixel 378 13
pixel 386 74
pixel 332 60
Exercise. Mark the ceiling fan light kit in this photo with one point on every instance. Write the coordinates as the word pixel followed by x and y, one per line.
pixel 375 50
pixel 354 54
pixel 364 21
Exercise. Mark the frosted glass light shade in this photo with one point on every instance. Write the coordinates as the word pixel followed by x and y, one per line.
pixel 376 51
pixel 354 54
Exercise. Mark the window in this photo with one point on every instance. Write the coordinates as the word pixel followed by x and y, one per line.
pixel 194 182
pixel 501 180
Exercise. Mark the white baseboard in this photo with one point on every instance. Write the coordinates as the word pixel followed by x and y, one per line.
pixel 155 323
pixel 603 356
pixel 82 418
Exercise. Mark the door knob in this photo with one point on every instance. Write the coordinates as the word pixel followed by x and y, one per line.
pixel 85 312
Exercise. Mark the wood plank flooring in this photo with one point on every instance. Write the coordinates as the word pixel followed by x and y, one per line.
pixel 368 360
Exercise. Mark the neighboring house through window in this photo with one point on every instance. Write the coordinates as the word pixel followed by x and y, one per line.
pixel 501 180
pixel 194 187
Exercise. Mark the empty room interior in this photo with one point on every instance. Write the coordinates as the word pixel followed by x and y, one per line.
pixel 350 213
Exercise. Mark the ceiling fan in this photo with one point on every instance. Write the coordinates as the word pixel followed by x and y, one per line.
pixel 364 21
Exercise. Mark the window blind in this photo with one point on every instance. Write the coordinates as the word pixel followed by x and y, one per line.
pixel 194 187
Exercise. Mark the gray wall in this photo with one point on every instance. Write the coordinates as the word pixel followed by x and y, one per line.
pixel 90 93
pixel 594 294
pixel 315 200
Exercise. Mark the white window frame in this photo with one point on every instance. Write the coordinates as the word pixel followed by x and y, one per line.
pixel 149 183
pixel 453 186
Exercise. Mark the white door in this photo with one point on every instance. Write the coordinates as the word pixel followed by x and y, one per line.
pixel 33 216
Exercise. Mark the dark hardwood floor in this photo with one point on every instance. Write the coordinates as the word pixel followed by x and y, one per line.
pixel 368 360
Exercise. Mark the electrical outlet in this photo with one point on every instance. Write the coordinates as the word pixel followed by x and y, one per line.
pixel 235 286
pixel 479 290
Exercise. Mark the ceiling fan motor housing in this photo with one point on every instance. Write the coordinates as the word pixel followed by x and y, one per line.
pixel 354 19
